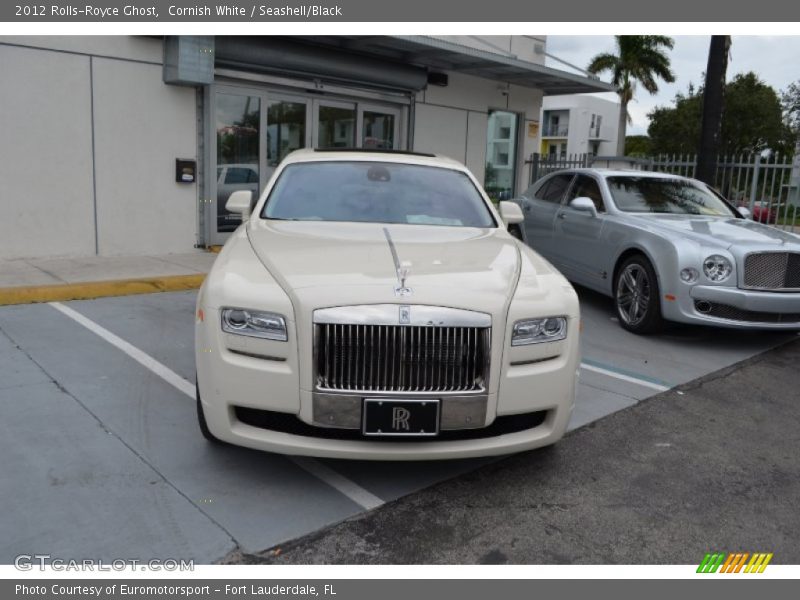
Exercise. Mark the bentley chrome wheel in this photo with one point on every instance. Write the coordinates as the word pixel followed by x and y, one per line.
pixel 633 294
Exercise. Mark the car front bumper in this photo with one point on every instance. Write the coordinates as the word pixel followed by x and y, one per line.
pixel 229 381
pixel 735 307
pixel 229 429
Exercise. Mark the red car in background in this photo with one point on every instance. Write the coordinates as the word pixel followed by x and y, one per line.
pixel 762 212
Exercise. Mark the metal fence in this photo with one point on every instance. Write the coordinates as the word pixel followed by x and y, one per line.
pixel 542 165
pixel 763 184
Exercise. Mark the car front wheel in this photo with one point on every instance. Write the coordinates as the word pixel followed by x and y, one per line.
pixel 636 296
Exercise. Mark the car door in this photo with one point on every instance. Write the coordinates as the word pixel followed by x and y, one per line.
pixel 540 203
pixel 578 242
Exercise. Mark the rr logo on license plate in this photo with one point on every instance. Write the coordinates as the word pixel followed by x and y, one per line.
pixel 400 417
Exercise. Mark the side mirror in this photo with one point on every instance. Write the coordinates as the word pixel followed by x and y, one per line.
pixel 584 204
pixel 511 213
pixel 745 212
pixel 240 202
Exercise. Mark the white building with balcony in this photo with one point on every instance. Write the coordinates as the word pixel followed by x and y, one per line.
pixel 578 124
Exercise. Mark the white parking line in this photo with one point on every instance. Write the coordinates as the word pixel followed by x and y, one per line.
pixel 147 361
pixel 624 377
pixel 349 488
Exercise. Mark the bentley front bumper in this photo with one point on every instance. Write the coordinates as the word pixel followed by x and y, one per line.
pixel 736 307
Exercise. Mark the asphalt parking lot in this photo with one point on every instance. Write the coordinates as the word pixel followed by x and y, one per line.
pixel 103 458
pixel 710 466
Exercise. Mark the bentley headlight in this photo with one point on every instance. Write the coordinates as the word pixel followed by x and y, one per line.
pixel 536 331
pixel 717 268
pixel 254 323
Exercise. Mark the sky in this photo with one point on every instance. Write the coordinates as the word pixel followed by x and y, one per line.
pixel 776 60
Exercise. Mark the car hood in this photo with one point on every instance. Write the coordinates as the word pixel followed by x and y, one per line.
pixel 721 232
pixel 335 264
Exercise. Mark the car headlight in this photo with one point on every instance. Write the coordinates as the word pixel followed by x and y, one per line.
pixel 717 268
pixel 536 331
pixel 255 323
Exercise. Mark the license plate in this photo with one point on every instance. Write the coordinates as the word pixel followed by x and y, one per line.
pixel 384 417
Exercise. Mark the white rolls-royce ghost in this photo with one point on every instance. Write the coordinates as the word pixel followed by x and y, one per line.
pixel 372 305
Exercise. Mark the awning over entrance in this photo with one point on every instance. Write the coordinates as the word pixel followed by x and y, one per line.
pixel 439 54
pixel 292 57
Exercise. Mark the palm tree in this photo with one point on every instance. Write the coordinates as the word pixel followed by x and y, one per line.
pixel 639 59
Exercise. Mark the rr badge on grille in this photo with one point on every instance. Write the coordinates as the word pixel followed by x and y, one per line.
pixel 405 315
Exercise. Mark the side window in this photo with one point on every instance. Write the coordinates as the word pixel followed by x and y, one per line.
pixel 240 175
pixel 554 189
pixel 587 186
pixel 533 190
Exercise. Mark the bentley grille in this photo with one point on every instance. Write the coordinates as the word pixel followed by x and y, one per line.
pixel 772 270
pixel 401 358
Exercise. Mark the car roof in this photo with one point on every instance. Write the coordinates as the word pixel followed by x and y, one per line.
pixel 395 156
pixel 627 173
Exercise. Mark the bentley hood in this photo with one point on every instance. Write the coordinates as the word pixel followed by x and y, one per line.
pixel 715 231
pixel 334 264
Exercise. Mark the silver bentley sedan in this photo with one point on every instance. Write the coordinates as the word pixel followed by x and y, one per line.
pixel 664 248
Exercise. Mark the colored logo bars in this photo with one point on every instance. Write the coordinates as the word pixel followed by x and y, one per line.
pixel 734 562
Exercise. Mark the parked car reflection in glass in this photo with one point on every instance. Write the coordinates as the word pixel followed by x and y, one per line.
pixel 231 178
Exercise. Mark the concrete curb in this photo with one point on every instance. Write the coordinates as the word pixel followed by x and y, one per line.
pixel 99 289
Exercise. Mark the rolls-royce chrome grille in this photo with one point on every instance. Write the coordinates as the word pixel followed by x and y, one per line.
pixel 772 271
pixel 401 358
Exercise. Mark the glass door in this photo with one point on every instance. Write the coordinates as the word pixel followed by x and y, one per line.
pixel 501 147
pixel 255 128
pixel 335 124
pixel 287 129
pixel 237 123
pixel 379 127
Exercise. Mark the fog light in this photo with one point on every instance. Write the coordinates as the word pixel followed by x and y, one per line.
pixel 689 275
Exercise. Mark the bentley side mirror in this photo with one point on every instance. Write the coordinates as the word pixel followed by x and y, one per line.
pixel 511 213
pixel 584 204
pixel 745 212
pixel 240 202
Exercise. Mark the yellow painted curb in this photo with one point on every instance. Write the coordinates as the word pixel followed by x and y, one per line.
pixel 98 289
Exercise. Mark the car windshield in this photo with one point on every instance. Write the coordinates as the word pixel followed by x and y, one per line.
pixel 378 192
pixel 661 195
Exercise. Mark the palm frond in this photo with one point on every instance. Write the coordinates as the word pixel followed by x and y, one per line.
pixel 603 62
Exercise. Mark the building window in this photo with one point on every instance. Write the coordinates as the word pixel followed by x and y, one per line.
pixel 501 155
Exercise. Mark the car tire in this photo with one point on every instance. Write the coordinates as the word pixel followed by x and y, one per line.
pixel 636 296
pixel 201 420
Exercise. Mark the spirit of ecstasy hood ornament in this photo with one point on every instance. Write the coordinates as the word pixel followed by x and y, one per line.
pixel 401 271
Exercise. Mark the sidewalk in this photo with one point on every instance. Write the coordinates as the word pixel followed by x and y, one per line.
pixel 54 279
